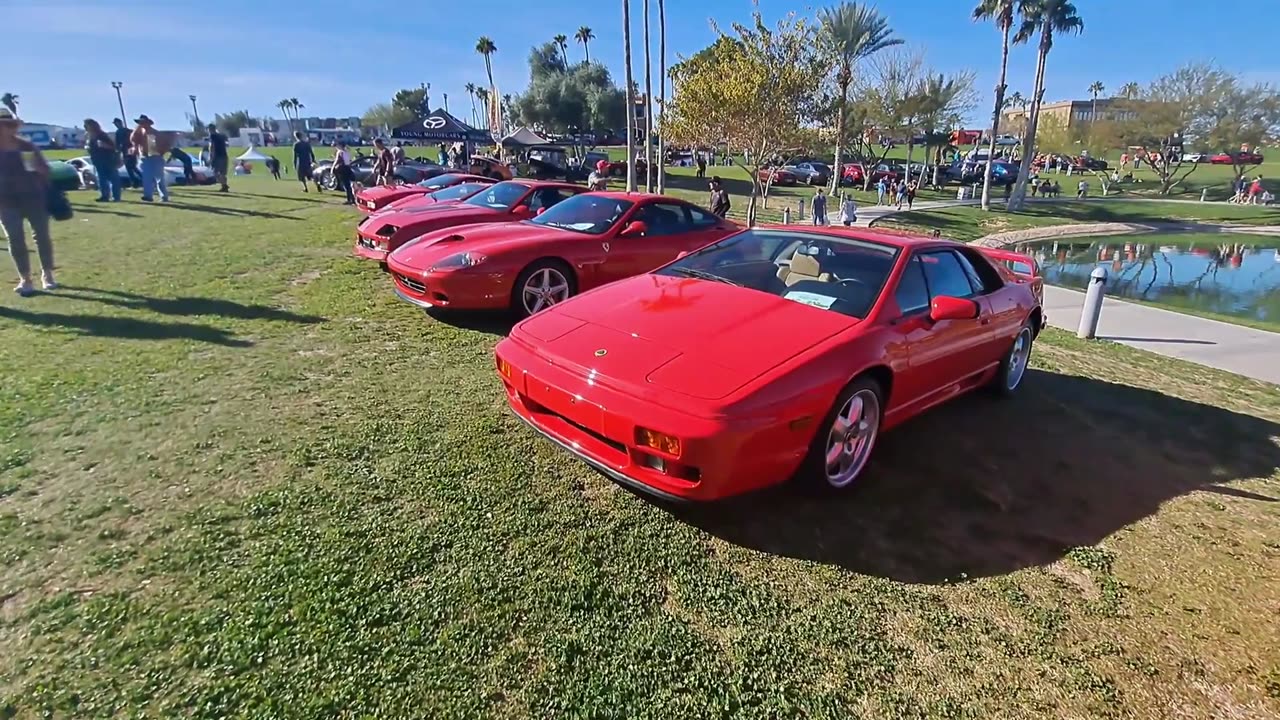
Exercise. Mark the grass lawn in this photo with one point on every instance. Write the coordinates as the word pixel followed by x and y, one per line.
pixel 969 222
pixel 239 478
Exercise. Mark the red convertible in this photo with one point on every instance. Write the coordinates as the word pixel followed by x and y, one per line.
pixel 377 197
pixel 583 242
pixel 1236 158
pixel 377 235
pixel 771 354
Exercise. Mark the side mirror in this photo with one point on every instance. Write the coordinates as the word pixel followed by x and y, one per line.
pixel 634 228
pixel 520 210
pixel 952 308
pixel 540 211
pixel 683 253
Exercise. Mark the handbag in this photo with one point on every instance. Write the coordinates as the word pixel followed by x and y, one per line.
pixel 58 204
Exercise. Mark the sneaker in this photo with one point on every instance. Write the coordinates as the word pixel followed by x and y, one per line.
pixel 47 281
pixel 24 289
pixel 146 199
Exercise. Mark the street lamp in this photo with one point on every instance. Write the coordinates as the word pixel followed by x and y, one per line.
pixel 120 99
pixel 196 112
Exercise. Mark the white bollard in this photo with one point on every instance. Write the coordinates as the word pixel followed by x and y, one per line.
pixel 1092 304
pixel 1204 194
pixel 786 216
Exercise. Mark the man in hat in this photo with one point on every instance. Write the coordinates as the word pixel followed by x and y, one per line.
pixel 218 158
pixel 145 141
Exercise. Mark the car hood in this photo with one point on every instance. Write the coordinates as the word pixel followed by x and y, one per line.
pixel 694 337
pixel 444 214
pixel 382 191
pixel 422 253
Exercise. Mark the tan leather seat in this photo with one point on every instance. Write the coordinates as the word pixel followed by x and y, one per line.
pixel 802 267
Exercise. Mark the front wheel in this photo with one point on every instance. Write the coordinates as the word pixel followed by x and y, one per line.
pixel 843 444
pixel 1013 366
pixel 541 285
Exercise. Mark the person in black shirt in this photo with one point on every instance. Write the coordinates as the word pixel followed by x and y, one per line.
pixel 303 158
pixel 126 149
pixel 719 197
pixel 187 170
pixel 218 158
pixel 274 166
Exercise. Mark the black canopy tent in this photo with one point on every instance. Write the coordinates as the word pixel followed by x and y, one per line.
pixel 525 138
pixel 440 126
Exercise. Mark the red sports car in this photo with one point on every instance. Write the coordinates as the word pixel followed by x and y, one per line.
pixel 455 194
pixel 377 197
pixel 771 354
pixel 777 176
pixel 1236 158
pixel 377 235
pixel 583 242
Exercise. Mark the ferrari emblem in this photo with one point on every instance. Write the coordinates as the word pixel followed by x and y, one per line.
pixel 606 246
pixel 601 352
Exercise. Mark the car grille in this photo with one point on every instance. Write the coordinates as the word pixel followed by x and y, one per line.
pixel 414 285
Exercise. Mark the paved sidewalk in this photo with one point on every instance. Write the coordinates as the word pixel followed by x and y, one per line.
pixel 1237 349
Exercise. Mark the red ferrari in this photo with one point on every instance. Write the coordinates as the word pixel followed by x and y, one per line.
pixel 379 196
pixel 583 242
pixel 771 354
pixel 377 235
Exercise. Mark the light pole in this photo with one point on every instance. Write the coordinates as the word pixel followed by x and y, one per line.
pixel 120 99
pixel 446 102
pixel 194 111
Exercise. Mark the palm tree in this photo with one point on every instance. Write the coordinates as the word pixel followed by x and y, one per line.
pixel 850 33
pixel 485 47
pixel 1095 90
pixel 296 106
pixel 562 42
pixel 471 93
pixel 585 36
pixel 483 96
pixel 1016 100
pixel 1047 17
pixel 662 92
pixel 1001 13
pixel 631 96
pixel 285 106
pixel 648 106
pixel 10 100
pixel 1130 91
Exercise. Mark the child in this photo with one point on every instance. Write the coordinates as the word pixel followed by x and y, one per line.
pixel 819 208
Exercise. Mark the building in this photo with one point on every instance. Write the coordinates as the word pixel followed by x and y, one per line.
pixel 1071 114
pixel 52 136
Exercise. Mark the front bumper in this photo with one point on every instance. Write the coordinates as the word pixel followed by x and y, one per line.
pixel 365 248
pixel 456 290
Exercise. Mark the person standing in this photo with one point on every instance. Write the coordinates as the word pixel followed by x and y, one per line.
pixel 343 173
pixel 719 197
pixel 911 194
pixel 444 155
pixel 383 166
pixel 124 147
pixel 219 160
pixel 145 141
pixel 105 159
pixel 303 158
pixel 24 181
pixel 819 208
pixel 848 210
pixel 702 166
pixel 1082 190
pixel 881 188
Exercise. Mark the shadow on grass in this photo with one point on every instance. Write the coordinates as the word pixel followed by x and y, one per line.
pixel 124 328
pixel 186 305
pixel 492 322
pixel 97 208
pixel 980 487
pixel 231 212
pixel 297 198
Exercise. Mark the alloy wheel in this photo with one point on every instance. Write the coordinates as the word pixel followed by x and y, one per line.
pixel 851 437
pixel 544 288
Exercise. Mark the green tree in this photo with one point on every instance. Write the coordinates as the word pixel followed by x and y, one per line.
pixel 585 36
pixel 752 90
pixel 411 101
pixel 231 123
pixel 10 100
pixel 1130 91
pixel 1096 89
pixel 584 98
pixel 483 96
pixel 1001 13
pixel 387 115
pixel 487 48
pixel 849 34
pixel 1048 18
pixel 562 42
pixel 545 59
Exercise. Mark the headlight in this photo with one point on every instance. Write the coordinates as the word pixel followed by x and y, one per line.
pixel 459 261
pixel 387 230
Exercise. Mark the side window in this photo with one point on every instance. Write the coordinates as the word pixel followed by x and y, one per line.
pixel 701 218
pixel 912 294
pixel 545 198
pixel 945 274
pixel 663 219
pixel 982 276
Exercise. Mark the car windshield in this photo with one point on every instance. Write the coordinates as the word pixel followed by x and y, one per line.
pixel 440 181
pixel 502 196
pixel 839 274
pixel 590 214
pixel 457 192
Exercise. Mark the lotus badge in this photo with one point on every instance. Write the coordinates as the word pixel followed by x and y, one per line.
pixel 601 352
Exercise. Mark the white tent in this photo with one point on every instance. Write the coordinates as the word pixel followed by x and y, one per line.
pixel 252 154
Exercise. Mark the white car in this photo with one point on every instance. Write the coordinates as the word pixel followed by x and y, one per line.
pixel 174 173
pixel 1007 140
pixel 1195 157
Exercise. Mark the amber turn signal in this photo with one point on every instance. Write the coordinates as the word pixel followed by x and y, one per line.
pixel 504 368
pixel 661 442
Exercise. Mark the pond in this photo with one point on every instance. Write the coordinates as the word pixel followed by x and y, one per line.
pixel 1225 273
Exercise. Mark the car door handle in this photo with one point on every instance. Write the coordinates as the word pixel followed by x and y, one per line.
pixel 984 321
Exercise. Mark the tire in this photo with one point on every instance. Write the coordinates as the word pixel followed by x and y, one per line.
pixel 1013 366
pixel 553 278
pixel 825 470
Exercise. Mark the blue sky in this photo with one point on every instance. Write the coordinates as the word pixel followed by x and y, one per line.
pixel 340 57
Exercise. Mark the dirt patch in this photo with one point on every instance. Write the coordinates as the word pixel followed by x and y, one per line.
pixel 306 277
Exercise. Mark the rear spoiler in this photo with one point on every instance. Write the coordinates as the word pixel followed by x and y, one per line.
pixel 1019 264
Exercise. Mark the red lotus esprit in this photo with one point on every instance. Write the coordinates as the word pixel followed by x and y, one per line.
pixel 772 354
pixel 378 235
pixel 579 244
pixel 372 199
pixel 455 194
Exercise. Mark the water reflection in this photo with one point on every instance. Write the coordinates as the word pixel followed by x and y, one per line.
pixel 1230 274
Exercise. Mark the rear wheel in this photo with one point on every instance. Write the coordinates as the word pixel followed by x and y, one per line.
pixel 541 285
pixel 1013 367
pixel 843 444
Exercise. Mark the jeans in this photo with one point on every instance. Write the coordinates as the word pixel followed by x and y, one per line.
pixel 109 187
pixel 35 213
pixel 153 177
pixel 819 217
pixel 344 183
pixel 131 168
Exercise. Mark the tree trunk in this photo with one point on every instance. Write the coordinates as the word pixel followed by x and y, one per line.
pixel 837 170
pixel 995 119
pixel 1017 199
pixel 662 94
pixel 648 106
pixel 631 97
pixel 586 48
